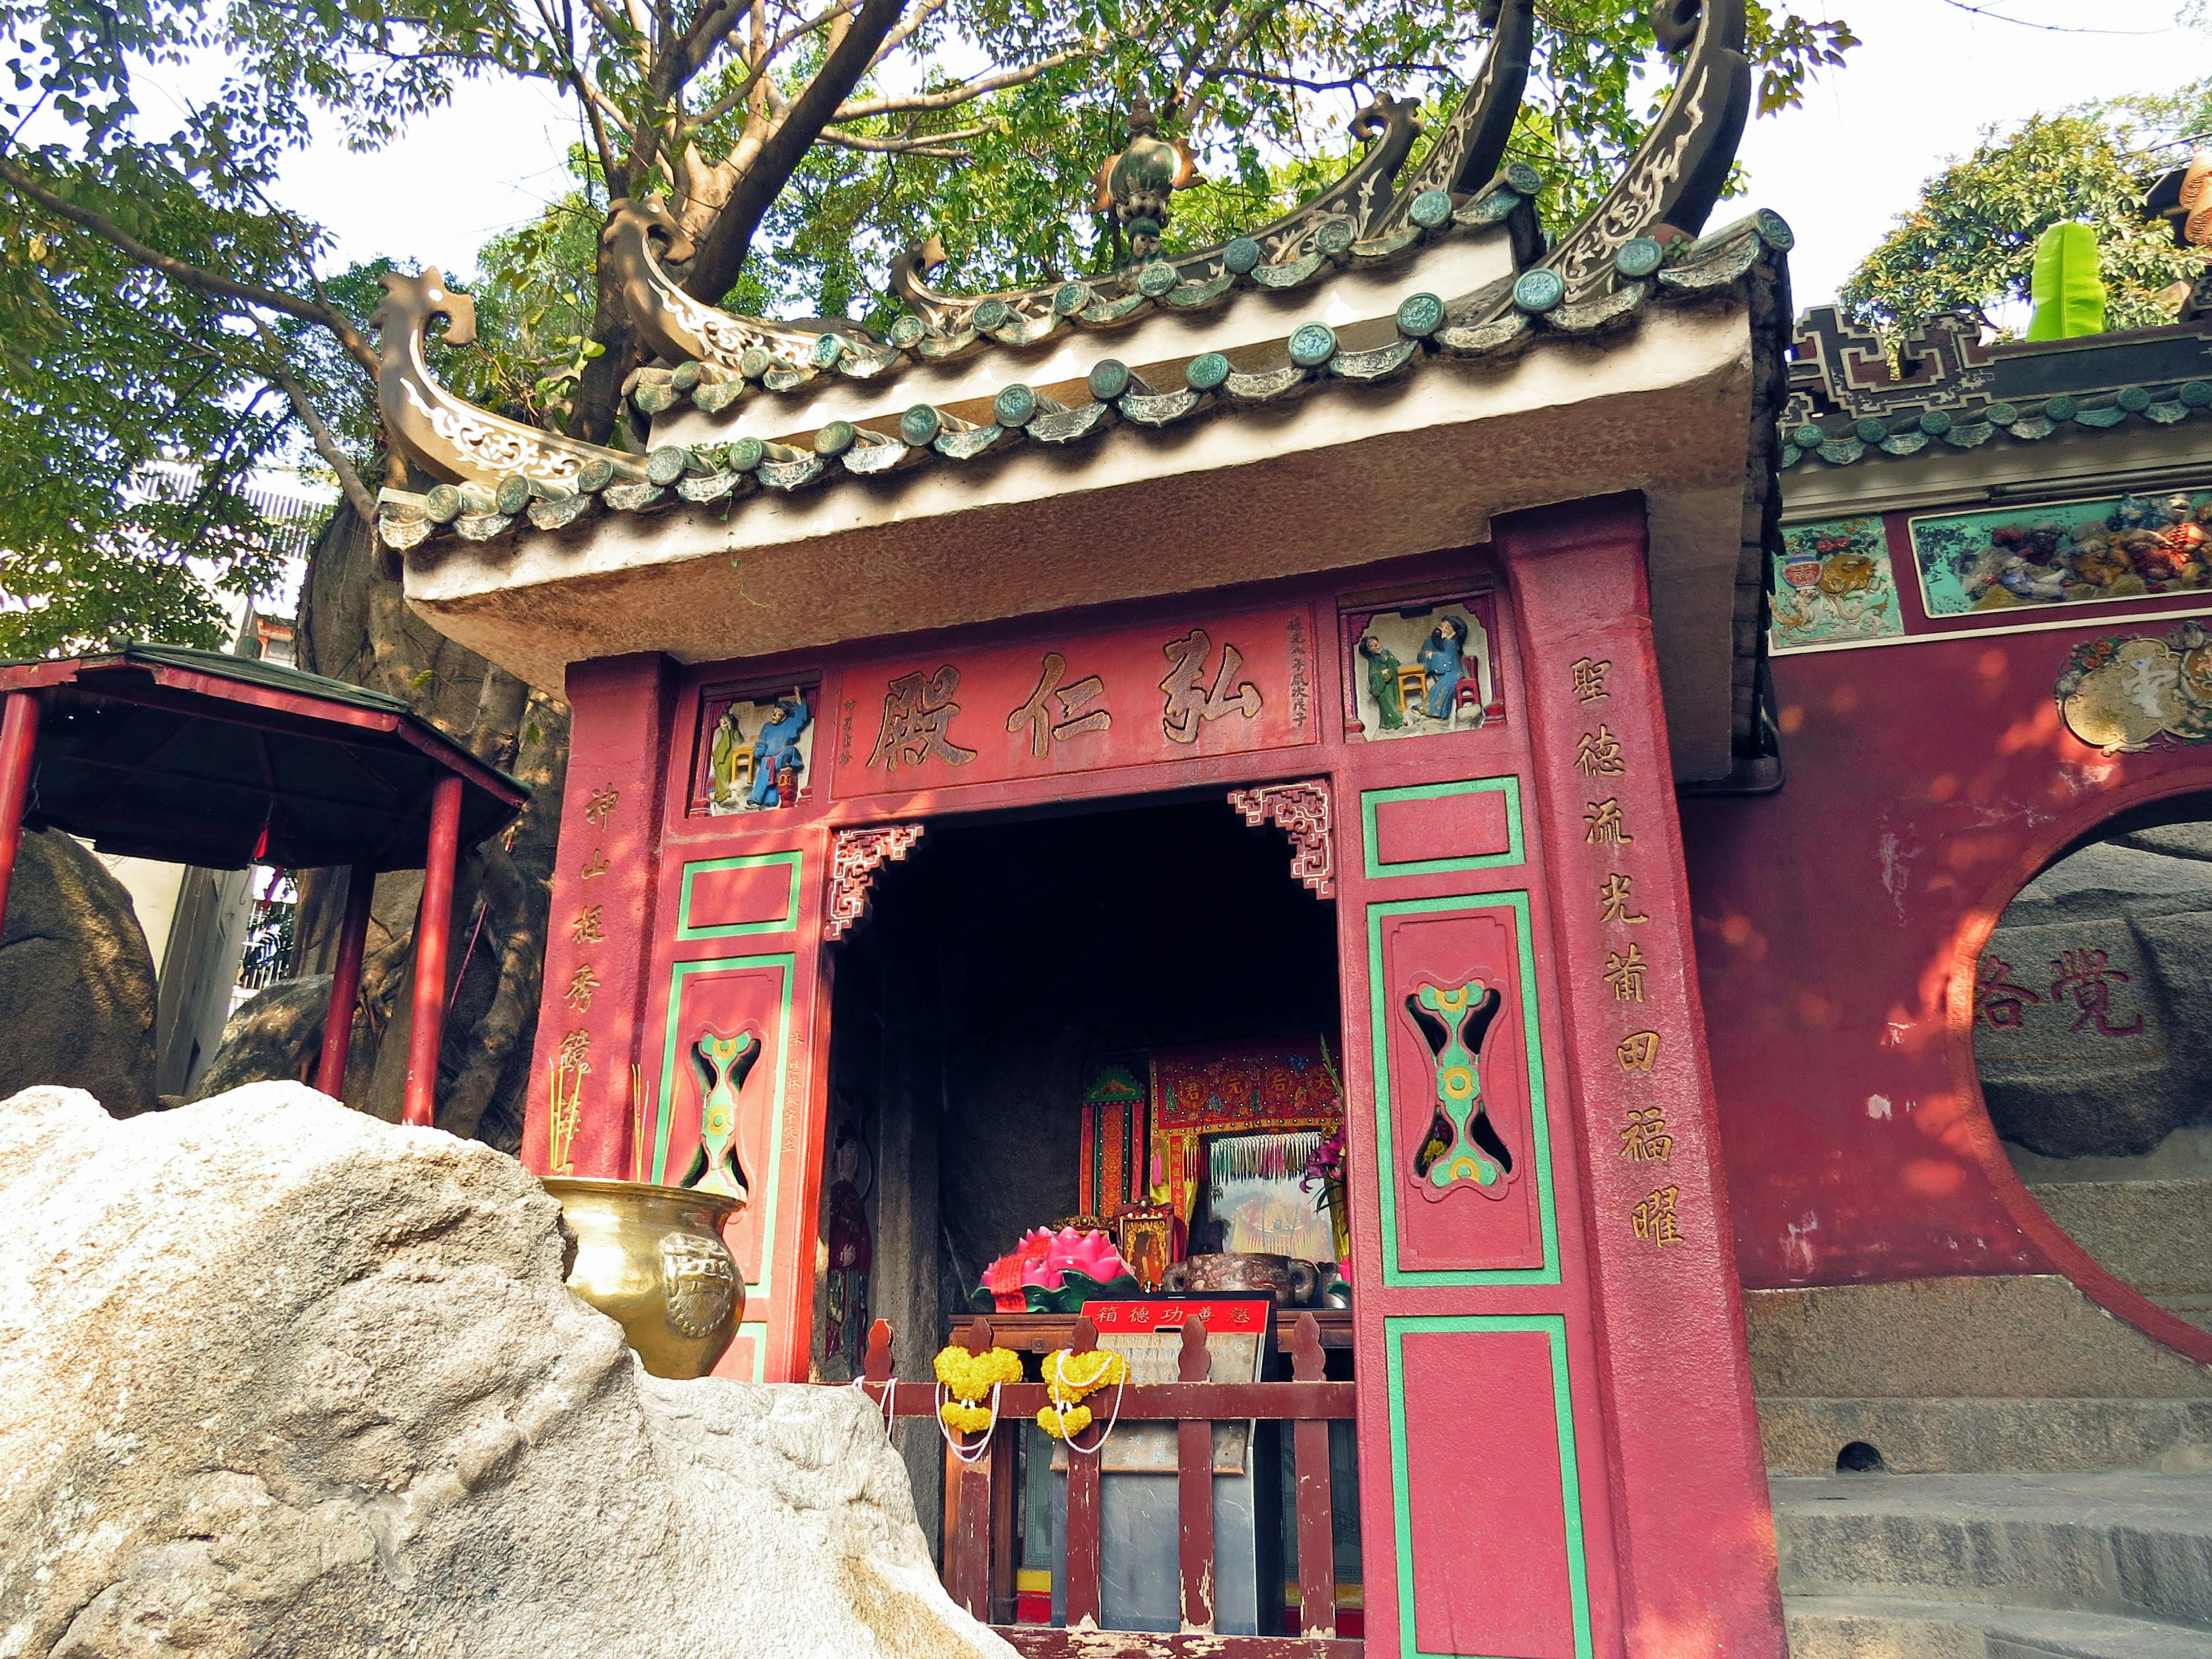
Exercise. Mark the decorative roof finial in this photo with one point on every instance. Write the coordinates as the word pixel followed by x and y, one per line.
pixel 1134 185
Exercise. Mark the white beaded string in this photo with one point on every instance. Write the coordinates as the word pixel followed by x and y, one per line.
pixel 887 1402
pixel 945 1429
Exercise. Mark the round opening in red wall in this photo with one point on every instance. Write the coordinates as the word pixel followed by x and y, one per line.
pixel 2092 1041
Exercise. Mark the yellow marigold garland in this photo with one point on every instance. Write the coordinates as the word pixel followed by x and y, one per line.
pixel 970 1378
pixel 1068 1376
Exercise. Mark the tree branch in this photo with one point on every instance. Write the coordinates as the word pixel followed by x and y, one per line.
pixel 723 247
pixel 191 276
pixel 743 90
pixel 952 97
pixel 326 443
pixel 926 145
pixel 899 36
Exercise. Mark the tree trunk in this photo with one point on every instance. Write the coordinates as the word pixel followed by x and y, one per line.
pixel 355 626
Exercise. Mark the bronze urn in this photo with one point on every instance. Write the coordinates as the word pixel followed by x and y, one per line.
pixel 652 1258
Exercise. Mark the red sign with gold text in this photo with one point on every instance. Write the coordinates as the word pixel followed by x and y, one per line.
pixel 1229 1314
pixel 1078 702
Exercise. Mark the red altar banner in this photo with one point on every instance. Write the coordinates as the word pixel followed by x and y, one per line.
pixel 1229 1315
pixel 1080 702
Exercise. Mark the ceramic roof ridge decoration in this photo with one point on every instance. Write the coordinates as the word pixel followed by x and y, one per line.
pixel 1846 406
pixel 1638 243
pixel 486 466
pixel 1361 217
pixel 724 472
pixel 1671 185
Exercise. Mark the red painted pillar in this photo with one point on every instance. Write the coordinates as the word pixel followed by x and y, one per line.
pixel 1694 1538
pixel 19 743
pixel 345 983
pixel 434 927
pixel 600 938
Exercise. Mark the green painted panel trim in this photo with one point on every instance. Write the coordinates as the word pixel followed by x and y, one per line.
pixel 1507 786
pixel 757 1329
pixel 1554 1327
pixel 789 964
pixel 1378 1010
pixel 782 924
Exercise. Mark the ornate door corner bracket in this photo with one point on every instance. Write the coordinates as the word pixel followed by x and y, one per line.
pixel 1300 810
pixel 854 857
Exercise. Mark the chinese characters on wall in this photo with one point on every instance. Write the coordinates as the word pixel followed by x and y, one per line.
pixel 1624 974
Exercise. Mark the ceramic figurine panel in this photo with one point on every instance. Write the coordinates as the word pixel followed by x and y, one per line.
pixel 756 752
pixel 1421 668
pixel 2064 553
pixel 724 1079
pixel 1080 702
pixel 1832 581
pixel 1464 1144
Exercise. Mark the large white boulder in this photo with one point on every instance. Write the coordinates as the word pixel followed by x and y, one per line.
pixel 277 1378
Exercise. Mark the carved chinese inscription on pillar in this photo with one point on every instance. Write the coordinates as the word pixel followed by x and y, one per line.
pixel 1191 700
pixel 918 715
pixel 1300 810
pixel 853 861
pixel 1653 1220
pixel 1601 755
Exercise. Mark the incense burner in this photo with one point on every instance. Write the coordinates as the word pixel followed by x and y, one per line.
pixel 1290 1281
pixel 652 1258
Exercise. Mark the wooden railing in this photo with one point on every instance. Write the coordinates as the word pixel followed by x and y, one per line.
pixel 979 1533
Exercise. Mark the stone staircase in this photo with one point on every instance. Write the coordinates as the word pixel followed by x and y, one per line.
pixel 2115 1564
pixel 1982 1468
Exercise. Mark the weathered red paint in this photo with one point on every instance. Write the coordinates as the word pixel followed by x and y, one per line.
pixel 1839 922
pixel 1677 1546
pixel 434 927
pixel 618 734
pixel 19 743
pixel 345 983
pixel 1688 1481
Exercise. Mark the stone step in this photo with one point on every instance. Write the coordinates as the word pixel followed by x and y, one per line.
pixel 2001 1435
pixel 1899 1627
pixel 2130 1545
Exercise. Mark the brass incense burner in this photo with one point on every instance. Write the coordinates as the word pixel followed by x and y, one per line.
pixel 652 1260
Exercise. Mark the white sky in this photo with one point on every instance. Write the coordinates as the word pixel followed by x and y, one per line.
pixel 1927 77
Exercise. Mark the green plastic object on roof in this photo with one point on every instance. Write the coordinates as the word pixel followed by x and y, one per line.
pixel 2067 291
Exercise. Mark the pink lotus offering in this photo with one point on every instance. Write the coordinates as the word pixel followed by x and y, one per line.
pixel 1004 1278
pixel 1091 1254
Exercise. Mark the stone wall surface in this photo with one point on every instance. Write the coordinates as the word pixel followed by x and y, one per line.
pixel 277 1378
pixel 76 981
pixel 2094 1033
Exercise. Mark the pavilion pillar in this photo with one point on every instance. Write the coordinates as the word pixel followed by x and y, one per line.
pixel 345 983
pixel 19 742
pixel 434 926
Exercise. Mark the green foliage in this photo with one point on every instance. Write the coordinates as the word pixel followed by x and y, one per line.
pixel 106 366
pixel 2068 294
pixel 1969 244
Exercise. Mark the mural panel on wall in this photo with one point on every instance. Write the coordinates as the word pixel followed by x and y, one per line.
pixel 1422 668
pixel 1832 581
pixel 2076 552
pixel 756 752
pixel 1081 702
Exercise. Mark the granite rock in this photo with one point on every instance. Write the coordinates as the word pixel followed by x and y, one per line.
pixel 277 1378
pixel 76 981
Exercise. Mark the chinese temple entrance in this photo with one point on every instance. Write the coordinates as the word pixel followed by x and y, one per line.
pixel 998 1022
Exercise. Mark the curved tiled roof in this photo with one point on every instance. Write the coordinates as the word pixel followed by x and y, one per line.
pixel 1635 248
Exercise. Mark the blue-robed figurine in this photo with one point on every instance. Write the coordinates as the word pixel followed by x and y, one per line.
pixel 776 752
pixel 1446 667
